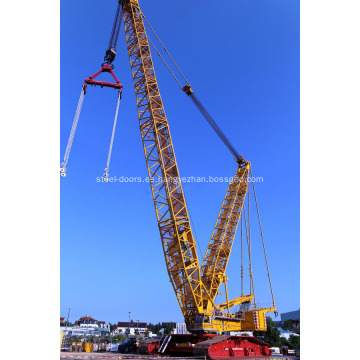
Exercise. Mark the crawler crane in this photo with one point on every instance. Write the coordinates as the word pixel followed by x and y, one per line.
pixel 196 285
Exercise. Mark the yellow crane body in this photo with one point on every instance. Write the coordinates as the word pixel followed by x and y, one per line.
pixel 172 216
pixel 195 286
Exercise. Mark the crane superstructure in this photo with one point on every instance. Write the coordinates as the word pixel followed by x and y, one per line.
pixel 196 285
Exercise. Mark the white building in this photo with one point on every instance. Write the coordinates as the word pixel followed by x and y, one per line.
pixel 123 327
pixel 87 322
pixel 286 333
pixel 83 331
pixel 241 333
pixel 181 329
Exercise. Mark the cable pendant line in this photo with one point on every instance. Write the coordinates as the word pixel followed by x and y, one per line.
pixel 106 173
pixel 262 238
pixel 216 128
pixel 116 27
pixel 242 266
pixel 173 61
pixel 252 288
pixel 173 75
pixel 196 101
pixel 249 225
pixel 72 133
pixel 249 251
pixel 110 53
pixel 250 237
pixel 193 227
pixel 249 217
pixel 165 63
pixel 204 112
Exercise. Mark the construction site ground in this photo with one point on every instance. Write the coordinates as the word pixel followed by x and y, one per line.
pixel 95 356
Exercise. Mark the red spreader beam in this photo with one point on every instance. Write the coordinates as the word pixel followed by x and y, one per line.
pixel 91 81
pixel 105 68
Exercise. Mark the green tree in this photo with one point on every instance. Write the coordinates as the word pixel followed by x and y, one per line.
pixel 168 328
pixel 294 342
pixel 154 328
pixel 113 327
pixel 271 336
pixel 65 323
pixel 287 325
pixel 119 338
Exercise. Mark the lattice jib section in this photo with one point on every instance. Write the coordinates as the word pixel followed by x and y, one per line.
pixel 217 255
pixel 173 220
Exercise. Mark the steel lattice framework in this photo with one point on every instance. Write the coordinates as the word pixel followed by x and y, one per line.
pixel 173 220
pixel 217 254
pixel 195 290
pixel 195 287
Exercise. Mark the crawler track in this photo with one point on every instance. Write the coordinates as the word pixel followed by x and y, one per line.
pixel 232 347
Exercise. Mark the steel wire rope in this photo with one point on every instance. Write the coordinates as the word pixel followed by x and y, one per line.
pixel 196 101
pixel 193 226
pixel 252 287
pixel 242 265
pixel 262 238
pixel 152 29
pixel 165 63
pixel 72 133
pixel 116 27
pixel 173 75
pixel 106 173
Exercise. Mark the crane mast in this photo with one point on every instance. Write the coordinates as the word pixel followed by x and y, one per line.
pixel 173 220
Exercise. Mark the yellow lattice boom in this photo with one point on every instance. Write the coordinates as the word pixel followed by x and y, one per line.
pixel 195 287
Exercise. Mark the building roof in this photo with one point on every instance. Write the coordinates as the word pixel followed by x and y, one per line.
pixel 291 312
pixel 62 319
pixel 291 315
pixel 126 324
pixel 173 324
pixel 86 317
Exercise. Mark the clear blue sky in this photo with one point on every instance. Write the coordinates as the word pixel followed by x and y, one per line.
pixel 242 60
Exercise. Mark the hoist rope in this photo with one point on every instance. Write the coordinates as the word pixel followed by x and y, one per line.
pixel 106 174
pixel 72 133
pixel 165 63
pixel 194 98
pixel 173 75
pixel 252 277
pixel 116 27
pixel 252 288
pixel 242 257
pixel 262 238
pixel 196 237
pixel 249 214
pixel 236 155
pixel 193 227
pixel 152 29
